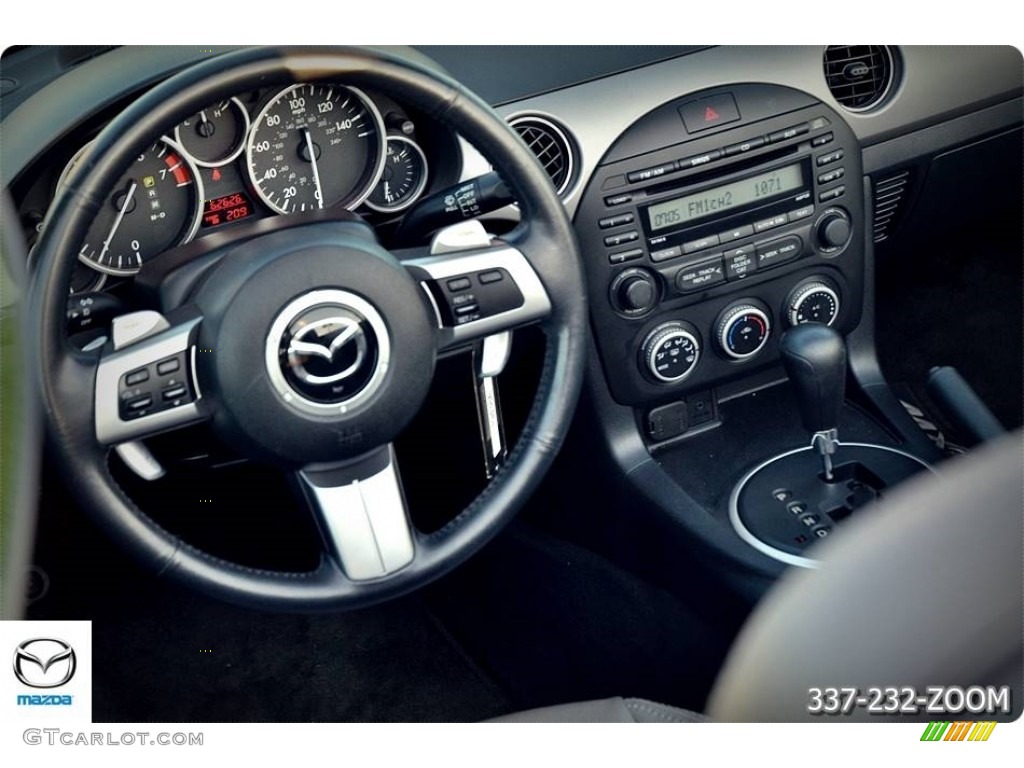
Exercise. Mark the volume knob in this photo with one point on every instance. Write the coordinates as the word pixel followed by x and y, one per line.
pixel 634 292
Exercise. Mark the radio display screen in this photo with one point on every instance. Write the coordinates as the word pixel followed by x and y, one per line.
pixel 717 200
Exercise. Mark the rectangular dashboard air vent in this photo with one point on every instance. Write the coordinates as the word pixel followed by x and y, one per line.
pixel 890 196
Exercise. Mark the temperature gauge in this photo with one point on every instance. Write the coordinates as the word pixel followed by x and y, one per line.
pixel 404 177
pixel 216 135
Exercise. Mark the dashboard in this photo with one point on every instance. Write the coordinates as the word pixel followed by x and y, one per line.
pixel 719 195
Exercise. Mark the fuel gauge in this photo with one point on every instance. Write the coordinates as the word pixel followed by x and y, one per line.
pixel 403 179
pixel 216 135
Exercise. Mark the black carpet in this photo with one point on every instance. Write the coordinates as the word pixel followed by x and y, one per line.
pixel 163 654
pixel 551 623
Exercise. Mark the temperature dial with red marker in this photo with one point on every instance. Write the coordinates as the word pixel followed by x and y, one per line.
pixel 155 206
pixel 742 331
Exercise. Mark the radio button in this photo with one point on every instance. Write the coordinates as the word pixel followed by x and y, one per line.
pixel 703 274
pixel 708 113
pixel 740 262
pixel 832 194
pixel 621 256
pixel 615 221
pixel 778 251
pixel 801 213
pixel 666 253
pixel 736 234
pixel 698 160
pixel 699 245
pixel 650 173
pixel 745 146
pixel 789 133
pixel 832 157
pixel 622 199
pixel 820 141
pixel 831 176
pixel 622 238
pixel 772 223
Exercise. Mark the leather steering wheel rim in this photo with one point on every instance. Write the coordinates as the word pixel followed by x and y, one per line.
pixel 544 235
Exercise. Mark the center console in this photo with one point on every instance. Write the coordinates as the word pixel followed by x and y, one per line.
pixel 711 225
pixel 724 234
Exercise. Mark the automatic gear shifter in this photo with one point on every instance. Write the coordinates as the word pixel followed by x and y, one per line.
pixel 815 359
pixel 787 503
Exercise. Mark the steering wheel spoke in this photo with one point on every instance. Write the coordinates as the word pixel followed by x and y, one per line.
pixel 478 287
pixel 146 384
pixel 361 513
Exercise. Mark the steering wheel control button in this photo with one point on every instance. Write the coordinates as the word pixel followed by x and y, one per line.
pixel 671 352
pixel 494 276
pixel 813 301
pixel 709 112
pixel 778 251
pixel 139 403
pixel 170 365
pixel 742 331
pixel 486 293
pixel 700 276
pixel 136 377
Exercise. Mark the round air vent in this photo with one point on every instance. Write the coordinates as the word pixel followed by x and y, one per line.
pixel 552 146
pixel 859 76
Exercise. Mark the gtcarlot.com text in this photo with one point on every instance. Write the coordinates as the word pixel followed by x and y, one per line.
pixel 56 736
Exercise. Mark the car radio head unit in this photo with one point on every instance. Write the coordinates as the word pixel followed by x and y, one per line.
pixel 705 237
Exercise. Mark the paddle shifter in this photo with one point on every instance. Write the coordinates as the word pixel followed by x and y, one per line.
pixel 815 359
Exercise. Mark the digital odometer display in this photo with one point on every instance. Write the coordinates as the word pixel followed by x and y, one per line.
pixel 221 210
pixel 728 196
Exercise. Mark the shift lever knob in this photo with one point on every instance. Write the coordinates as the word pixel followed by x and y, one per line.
pixel 815 360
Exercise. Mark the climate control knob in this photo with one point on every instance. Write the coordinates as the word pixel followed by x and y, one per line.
pixel 671 352
pixel 634 292
pixel 814 301
pixel 832 230
pixel 742 330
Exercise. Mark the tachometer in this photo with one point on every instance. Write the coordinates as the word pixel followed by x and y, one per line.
pixel 316 146
pixel 156 205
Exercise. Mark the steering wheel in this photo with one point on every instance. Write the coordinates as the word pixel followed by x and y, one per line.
pixel 323 345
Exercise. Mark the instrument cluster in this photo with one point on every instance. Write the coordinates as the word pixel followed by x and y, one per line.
pixel 266 153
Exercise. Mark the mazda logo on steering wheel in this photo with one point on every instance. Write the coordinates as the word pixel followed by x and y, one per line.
pixel 330 339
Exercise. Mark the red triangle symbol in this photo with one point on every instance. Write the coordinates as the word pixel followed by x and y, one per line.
pixel 710 115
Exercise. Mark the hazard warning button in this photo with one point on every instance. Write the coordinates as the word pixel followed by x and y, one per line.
pixel 709 112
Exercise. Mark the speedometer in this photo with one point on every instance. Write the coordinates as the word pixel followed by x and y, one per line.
pixel 316 146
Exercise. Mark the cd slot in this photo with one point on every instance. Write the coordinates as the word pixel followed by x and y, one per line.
pixel 721 172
